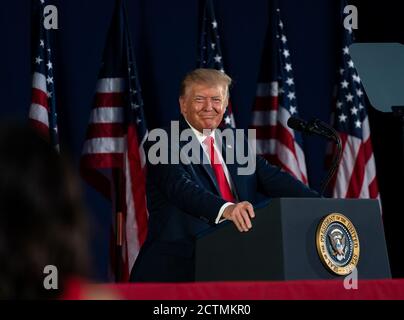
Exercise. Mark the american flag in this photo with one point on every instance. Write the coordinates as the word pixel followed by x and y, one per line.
pixel 210 55
pixel 356 175
pixel 275 103
pixel 42 113
pixel 115 138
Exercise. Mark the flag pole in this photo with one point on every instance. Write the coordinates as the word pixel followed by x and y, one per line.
pixel 119 222
pixel 118 178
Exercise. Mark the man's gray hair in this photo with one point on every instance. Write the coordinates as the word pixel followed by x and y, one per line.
pixel 205 76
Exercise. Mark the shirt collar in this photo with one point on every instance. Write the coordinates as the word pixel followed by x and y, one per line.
pixel 199 135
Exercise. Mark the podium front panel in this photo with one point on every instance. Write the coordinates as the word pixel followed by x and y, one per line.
pixel 282 243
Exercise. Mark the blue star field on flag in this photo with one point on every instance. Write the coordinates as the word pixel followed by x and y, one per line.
pixel 210 55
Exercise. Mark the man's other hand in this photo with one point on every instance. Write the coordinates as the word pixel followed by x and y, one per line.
pixel 241 214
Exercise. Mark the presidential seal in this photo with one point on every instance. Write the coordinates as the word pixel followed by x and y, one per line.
pixel 338 244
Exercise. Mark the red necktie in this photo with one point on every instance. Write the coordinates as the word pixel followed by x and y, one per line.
pixel 217 167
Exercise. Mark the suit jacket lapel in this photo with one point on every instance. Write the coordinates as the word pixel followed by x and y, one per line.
pixel 200 158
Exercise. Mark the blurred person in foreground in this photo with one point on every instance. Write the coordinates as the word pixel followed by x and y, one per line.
pixel 42 221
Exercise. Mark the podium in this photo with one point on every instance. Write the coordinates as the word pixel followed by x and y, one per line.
pixel 282 243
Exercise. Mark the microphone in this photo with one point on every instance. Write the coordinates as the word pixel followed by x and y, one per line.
pixel 320 128
pixel 314 126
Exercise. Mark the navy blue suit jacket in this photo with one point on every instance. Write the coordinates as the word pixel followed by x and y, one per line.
pixel 184 200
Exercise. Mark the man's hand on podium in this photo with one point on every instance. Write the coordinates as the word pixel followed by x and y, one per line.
pixel 241 214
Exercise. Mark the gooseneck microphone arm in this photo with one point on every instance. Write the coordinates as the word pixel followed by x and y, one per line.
pixel 335 161
pixel 320 128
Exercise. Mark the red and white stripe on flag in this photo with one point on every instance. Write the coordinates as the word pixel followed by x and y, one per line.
pixel 356 175
pixel 110 144
pixel 39 109
pixel 274 139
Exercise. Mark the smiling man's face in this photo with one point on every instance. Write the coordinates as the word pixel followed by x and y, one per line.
pixel 203 105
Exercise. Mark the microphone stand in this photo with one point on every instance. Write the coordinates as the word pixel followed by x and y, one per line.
pixel 316 126
pixel 333 135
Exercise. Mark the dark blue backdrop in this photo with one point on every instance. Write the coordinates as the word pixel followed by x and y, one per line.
pixel 165 35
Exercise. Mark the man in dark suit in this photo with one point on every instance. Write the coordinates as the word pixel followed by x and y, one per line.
pixel 186 199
